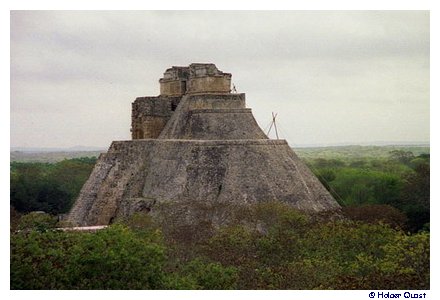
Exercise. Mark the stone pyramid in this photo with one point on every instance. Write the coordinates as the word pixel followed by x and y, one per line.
pixel 195 142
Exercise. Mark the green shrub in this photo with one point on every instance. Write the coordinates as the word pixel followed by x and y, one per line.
pixel 273 246
pixel 208 275
pixel 39 221
pixel 113 258
pixel 404 264
pixel 376 213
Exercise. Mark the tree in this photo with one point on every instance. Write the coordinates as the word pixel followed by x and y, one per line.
pixel 48 187
pixel 402 156
pixel 326 176
pixel 362 186
pixel 37 221
pixel 375 214
pixel 416 197
pixel 113 258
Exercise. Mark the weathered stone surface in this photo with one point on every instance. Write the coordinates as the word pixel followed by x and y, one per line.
pixel 212 117
pixel 195 148
pixel 195 79
pixel 149 115
pixel 216 101
pixel 134 175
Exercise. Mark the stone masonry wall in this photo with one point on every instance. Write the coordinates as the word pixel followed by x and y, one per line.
pixel 217 101
pixel 115 184
pixel 173 88
pixel 150 114
pixel 137 175
pixel 209 84
pixel 211 117
pixel 195 79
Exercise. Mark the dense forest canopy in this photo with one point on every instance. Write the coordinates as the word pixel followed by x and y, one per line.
pixel 264 246
pixel 48 187
pixel 381 240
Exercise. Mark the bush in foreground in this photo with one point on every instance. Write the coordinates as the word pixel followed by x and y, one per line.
pixel 114 258
pixel 271 246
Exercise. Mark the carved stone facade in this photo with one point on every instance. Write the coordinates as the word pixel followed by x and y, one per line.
pixel 174 81
pixel 206 78
pixel 149 115
pixel 197 78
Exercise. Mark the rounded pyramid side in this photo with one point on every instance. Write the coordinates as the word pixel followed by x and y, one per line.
pixel 241 171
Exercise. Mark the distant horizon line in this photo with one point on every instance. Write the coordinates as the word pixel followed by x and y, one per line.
pixel 307 145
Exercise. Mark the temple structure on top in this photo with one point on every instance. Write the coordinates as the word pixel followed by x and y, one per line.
pixel 150 114
pixel 195 79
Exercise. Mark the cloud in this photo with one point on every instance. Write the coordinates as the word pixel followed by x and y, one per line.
pixel 334 67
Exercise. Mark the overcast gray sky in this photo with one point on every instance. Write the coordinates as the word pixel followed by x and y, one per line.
pixel 332 77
